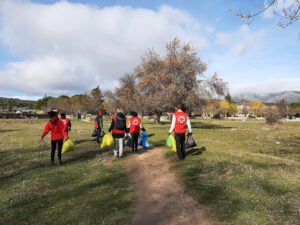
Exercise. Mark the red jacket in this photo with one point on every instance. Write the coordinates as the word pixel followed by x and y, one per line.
pixel 135 124
pixel 56 127
pixel 66 127
pixel 180 123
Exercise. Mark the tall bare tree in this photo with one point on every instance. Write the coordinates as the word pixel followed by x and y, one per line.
pixel 128 94
pixel 175 78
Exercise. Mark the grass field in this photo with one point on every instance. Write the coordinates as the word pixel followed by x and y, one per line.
pixel 249 174
pixel 89 188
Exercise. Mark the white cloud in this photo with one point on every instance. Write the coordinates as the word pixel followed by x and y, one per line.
pixel 223 38
pixel 240 41
pixel 268 86
pixel 67 48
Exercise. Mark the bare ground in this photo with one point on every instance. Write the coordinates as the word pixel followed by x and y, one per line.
pixel 159 197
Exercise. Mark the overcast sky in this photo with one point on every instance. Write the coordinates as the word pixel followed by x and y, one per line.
pixel 69 47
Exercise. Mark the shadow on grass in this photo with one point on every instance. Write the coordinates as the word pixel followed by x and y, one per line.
pixel 9 130
pixel 202 125
pixel 21 167
pixel 77 142
pixel 98 198
pixel 195 151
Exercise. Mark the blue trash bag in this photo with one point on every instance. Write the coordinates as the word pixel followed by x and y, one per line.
pixel 144 140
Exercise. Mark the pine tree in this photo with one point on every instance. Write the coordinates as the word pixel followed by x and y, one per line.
pixel 96 99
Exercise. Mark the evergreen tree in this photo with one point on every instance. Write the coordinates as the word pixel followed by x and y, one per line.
pixel 96 99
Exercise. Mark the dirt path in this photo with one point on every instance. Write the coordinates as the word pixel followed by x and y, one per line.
pixel 159 197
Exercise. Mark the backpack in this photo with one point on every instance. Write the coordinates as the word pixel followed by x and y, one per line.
pixel 120 122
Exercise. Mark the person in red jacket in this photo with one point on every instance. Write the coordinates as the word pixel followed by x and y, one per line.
pixel 134 126
pixel 67 124
pixel 180 121
pixel 118 128
pixel 56 127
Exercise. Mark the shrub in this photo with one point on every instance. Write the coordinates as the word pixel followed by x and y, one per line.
pixel 273 116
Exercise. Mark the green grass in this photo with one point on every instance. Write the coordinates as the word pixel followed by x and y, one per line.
pixel 249 173
pixel 84 190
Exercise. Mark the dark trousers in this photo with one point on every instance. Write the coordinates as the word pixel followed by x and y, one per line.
pixel 180 145
pixel 59 144
pixel 134 141
pixel 99 135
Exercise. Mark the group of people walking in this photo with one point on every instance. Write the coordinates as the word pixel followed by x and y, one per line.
pixel 60 127
pixel 120 129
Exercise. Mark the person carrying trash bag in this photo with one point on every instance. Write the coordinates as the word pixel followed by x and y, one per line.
pixel 180 121
pixel 56 127
pixel 118 129
pixel 67 124
pixel 99 126
pixel 134 126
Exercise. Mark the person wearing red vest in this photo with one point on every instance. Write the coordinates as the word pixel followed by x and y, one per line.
pixel 56 127
pixel 118 129
pixel 180 121
pixel 134 126
pixel 67 124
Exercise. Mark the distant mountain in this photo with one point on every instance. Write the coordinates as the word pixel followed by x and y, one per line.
pixel 15 102
pixel 288 96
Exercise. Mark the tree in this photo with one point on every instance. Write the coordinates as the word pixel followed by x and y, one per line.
pixel 96 99
pixel 228 98
pixel 166 81
pixel 287 12
pixel 224 107
pixel 295 109
pixel 62 103
pixel 233 109
pixel 80 103
pixel 257 107
pixel 111 102
pixel 128 94
pixel 282 107
pixel 272 116
pixel 42 103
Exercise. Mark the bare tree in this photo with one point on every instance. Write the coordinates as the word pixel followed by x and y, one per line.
pixel 80 103
pixel 111 102
pixel 128 94
pixel 287 12
pixel 62 103
pixel 282 107
pixel 166 81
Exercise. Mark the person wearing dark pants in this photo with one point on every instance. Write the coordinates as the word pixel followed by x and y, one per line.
pixel 57 129
pixel 180 121
pixel 134 126
pixel 59 145
pixel 99 126
pixel 134 141
pixel 180 146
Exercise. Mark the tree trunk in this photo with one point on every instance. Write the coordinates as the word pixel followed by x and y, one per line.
pixel 157 117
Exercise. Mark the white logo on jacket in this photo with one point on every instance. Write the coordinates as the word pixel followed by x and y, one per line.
pixel 135 122
pixel 181 119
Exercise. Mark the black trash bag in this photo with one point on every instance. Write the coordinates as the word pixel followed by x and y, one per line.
pixel 94 134
pixel 127 141
pixel 190 142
